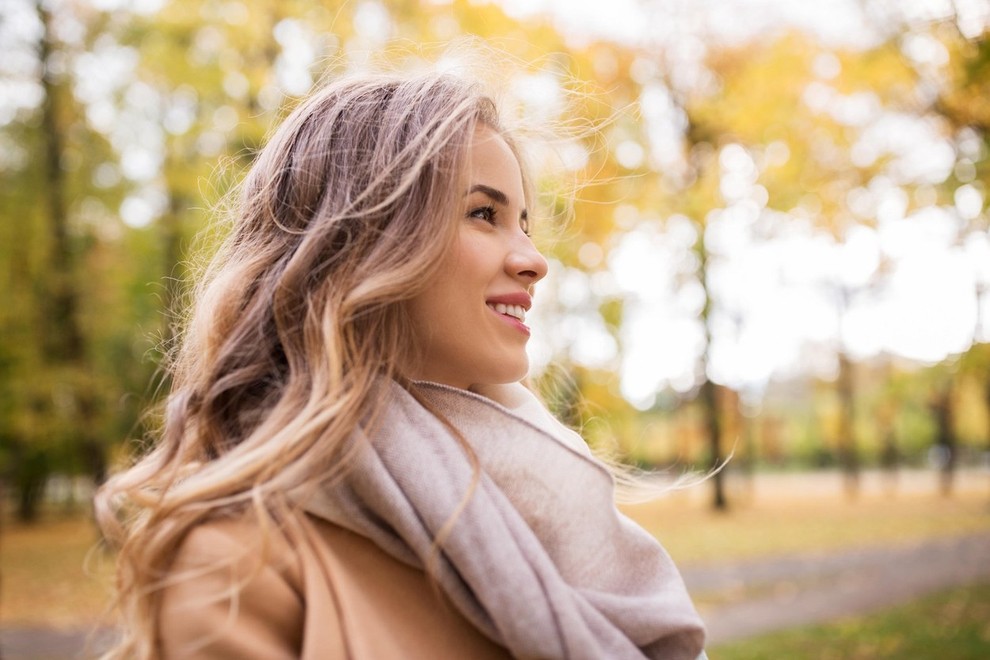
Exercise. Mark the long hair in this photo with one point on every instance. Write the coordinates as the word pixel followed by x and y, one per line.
pixel 343 217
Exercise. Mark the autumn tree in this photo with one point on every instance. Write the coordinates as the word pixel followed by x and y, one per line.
pixel 55 257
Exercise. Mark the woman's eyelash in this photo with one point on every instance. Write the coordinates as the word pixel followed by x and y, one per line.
pixel 486 213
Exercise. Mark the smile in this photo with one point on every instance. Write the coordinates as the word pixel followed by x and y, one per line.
pixel 517 312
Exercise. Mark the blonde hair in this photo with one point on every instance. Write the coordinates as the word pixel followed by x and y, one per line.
pixel 342 218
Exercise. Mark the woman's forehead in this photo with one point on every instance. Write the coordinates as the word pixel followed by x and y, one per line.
pixel 493 164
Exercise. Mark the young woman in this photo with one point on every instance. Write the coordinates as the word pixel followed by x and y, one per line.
pixel 348 465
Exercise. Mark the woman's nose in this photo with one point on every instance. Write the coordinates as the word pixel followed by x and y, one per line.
pixel 524 261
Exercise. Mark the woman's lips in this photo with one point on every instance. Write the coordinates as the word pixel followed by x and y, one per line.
pixel 509 318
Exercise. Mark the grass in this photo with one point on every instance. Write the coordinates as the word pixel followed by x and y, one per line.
pixel 785 523
pixel 952 625
pixel 52 573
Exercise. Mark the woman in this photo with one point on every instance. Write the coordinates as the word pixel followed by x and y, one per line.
pixel 348 466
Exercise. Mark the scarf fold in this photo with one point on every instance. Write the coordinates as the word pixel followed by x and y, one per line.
pixel 538 558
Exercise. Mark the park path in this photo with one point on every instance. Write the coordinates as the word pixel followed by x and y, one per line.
pixel 749 598
pixel 737 600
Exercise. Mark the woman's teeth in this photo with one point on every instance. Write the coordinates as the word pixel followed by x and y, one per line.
pixel 515 311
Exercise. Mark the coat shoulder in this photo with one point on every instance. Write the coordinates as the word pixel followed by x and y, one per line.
pixel 233 592
pixel 310 590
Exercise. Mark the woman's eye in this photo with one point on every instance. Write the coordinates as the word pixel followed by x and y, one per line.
pixel 524 225
pixel 486 213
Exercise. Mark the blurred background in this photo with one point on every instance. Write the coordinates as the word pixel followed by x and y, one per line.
pixel 777 251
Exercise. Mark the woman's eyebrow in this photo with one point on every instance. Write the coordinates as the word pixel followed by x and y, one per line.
pixel 496 195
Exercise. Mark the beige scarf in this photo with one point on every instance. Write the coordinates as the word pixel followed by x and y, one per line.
pixel 539 559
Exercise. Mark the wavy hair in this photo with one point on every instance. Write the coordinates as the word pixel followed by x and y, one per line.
pixel 343 217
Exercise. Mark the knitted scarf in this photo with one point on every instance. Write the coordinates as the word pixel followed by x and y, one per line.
pixel 538 558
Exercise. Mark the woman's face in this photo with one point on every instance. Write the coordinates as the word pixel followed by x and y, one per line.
pixel 469 323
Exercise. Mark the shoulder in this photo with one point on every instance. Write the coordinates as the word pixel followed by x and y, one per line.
pixel 238 546
pixel 233 591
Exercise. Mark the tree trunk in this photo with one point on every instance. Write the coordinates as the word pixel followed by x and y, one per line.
pixel 63 336
pixel 945 438
pixel 33 469
pixel 713 429
pixel 171 232
pixel 848 452
pixel 708 396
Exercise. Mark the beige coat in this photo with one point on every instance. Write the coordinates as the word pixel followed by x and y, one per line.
pixel 322 592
